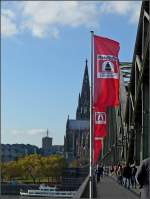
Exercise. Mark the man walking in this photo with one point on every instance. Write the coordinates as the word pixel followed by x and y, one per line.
pixel 143 178
pixel 127 175
pixel 133 173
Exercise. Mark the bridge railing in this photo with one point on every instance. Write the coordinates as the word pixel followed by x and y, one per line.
pixel 83 191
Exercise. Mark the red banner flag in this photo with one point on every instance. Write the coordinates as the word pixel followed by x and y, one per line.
pixel 97 148
pixel 100 131
pixel 106 72
pixel 106 86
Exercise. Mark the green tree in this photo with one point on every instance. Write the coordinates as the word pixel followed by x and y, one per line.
pixel 34 167
pixel 3 170
pixel 58 166
pixel 53 166
pixel 31 166
pixel 47 167
pixel 12 170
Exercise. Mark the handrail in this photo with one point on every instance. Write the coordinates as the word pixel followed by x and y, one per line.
pixel 81 189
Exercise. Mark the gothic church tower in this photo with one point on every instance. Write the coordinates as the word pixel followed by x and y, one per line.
pixel 83 109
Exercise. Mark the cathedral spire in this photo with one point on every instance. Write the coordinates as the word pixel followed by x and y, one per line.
pixel 85 84
pixel 86 61
pixel 78 108
pixel 79 99
pixel 67 124
pixel 84 99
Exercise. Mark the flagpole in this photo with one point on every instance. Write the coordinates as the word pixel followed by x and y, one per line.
pixel 91 118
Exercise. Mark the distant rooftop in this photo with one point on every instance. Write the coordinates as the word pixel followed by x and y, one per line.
pixel 79 124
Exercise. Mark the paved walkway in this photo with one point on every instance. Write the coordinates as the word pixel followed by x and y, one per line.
pixel 108 188
pixel 136 191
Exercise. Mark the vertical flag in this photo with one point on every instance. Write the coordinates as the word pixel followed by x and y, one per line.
pixel 100 130
pixel 106 72
pixel 106 86
pixel 97 148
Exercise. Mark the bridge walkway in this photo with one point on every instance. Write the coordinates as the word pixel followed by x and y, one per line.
pixel 110 189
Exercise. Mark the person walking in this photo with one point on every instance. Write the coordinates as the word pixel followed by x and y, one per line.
pixel 127 175
pixel 112 170
pixel 101 171
pixel 120 175
pixel 133 173
pixel 98 173
pixel 142 177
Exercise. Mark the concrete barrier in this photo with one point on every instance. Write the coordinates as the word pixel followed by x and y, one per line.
pixel 83 191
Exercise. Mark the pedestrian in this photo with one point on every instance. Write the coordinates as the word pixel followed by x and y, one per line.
pixel 143 178
pixel 115 169
pixel 127 175
pixel 124 175
pixel 112 170
pixel 120 174
pixel 133 173
pixel 101 171
pixel 98 173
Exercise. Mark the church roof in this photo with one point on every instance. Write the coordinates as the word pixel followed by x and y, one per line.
pixel 79 124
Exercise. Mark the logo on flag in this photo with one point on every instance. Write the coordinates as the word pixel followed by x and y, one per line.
pixel 100 117
pixel 106 67
pixel 98 138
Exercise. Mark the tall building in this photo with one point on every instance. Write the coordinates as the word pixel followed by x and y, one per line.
pixel 76 141
pixel 46 143
pixel 83 108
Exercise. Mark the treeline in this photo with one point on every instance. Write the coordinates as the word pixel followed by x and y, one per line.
pixel 33 167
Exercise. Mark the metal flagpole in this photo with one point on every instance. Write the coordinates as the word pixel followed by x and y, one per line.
pixel 91 120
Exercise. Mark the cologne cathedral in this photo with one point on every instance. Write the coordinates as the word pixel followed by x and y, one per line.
pixel 76 141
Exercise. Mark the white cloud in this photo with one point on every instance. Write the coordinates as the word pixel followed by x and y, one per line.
pixel 36 131
pixel 136 13
pixel 42 18
pixel 46 18
pixel 116 7
pixel 8 25
pixel 27 131
pixel 131 9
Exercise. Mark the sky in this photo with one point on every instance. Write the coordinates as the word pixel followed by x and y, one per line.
pixel 44 46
